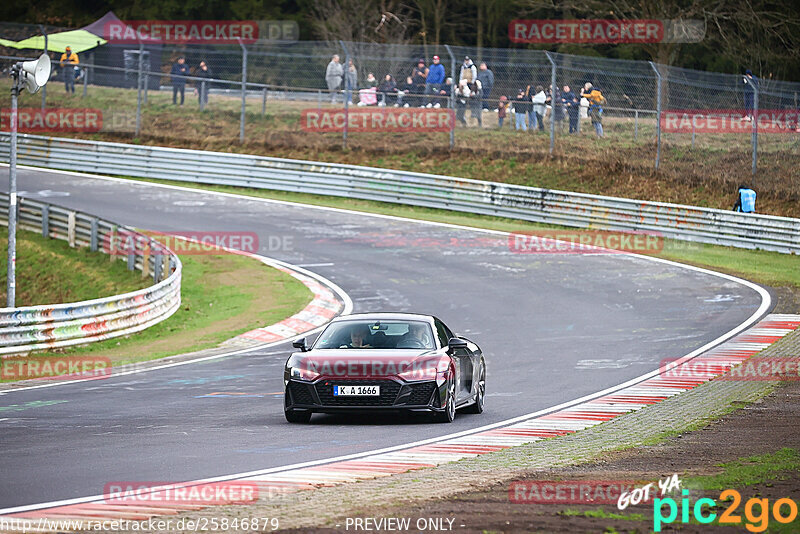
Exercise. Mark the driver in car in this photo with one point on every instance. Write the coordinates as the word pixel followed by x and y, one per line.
pixel 415 338
pixel 357 336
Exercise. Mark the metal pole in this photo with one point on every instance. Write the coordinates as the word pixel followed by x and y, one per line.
pixel 452 95
pixel 203 93
pixel 86 76
pixel 319 99
pixel 244 90
pixel 636 124
pixel 553 89
pixel 755 130
pixel 693 133
pixel 346 107
pixel 264 101
pixel 658 113
pixel 139 94
pixel 11 285
pixel 44 89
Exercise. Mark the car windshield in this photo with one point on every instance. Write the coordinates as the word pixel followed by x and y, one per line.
pixel 378 334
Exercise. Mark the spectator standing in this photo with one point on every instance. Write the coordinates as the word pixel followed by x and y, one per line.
pixel 178 75
pixel 433 82
pixel 745 200
pixel 596 101
pixel 350 81
pixel 462 96
pixel 444 93
pixel 387 90
pixel 486 77
pixel 475 101
pixel 204 73
pixel 572 105
pixel 69 63
pixel 539 106
pixel 502 107
pixel 419 77
pixel 522 106
pixel 333 76
pixel 749 93
pixel 468 71
pixel 529 93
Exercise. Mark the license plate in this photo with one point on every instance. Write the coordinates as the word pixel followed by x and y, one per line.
pixel 366 391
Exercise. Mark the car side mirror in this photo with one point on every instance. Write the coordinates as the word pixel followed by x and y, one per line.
pixel 456 343
pixel 300 344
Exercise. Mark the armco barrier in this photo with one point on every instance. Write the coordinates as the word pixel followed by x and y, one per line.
pixel 30 328
pixel 690 223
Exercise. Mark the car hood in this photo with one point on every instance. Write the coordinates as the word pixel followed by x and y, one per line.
pixel 366 363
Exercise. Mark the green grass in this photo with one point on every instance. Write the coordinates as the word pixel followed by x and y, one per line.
pixel 50 271
pixel 768 268
pixel 221 297
pixel 749 471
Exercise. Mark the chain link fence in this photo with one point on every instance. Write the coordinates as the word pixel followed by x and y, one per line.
pixel 652 116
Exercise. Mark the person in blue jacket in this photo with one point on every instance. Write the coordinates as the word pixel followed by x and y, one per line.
pixel 745 200
pixel 433 83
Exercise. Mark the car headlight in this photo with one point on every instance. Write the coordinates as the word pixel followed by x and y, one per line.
pixel 427 371
pixel 302 373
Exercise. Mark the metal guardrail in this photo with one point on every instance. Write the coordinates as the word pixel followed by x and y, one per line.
pixel 781 234
pixel 30 328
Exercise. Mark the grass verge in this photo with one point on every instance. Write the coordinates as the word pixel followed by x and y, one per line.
pixel 222 296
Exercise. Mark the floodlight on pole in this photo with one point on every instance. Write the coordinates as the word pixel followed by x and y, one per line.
pixel 33 75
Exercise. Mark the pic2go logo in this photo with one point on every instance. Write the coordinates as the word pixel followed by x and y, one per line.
pixel 783 511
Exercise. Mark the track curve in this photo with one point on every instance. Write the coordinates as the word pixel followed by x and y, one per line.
pixel 553 328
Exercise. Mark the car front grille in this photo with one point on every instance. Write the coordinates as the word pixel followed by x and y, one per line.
pixel 417 394
pixel 389 391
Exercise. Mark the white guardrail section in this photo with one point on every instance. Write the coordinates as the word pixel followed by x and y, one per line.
pixel 562 208
pixel 30 328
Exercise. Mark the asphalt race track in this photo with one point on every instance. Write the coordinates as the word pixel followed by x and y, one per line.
pixel 553 327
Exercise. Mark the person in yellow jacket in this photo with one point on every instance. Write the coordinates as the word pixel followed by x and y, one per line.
pixel 69 62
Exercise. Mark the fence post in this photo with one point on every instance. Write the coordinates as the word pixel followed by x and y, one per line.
pixel 635 124
pixel 693 133
pixel 264 100
pixel 553 88
pixel 44 89
pixel 346 107
pixel 203 94
pixel 755 129
pixel 452 94
pixel 86 75
pixel 244 90
pixel 139 92
pixel 658 113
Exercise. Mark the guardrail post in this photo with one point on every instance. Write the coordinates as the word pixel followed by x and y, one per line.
pixel 146 260
pixel 139 92
pixel 46 220
pixel 658 113
pixel 93 235
pixel 71 229
pixel 553 89
pixel 244 91
pixel 452 94
pixel 755 129
pixel 131 261
pixel 346 96
pixel 157 263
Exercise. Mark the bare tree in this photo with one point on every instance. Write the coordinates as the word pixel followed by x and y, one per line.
pixel 385 21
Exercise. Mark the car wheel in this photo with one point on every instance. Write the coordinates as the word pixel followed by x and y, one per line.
pixel 480 395
pixel 297 416
pixel 449 412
